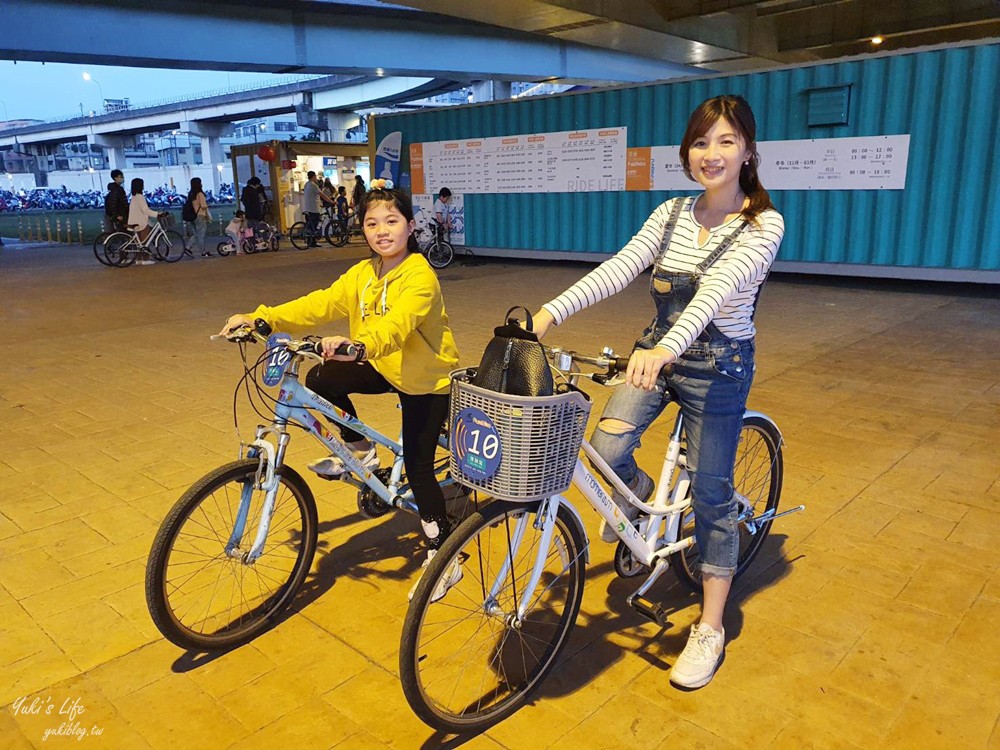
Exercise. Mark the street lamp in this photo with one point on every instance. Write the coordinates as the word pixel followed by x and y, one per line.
pixel 100 89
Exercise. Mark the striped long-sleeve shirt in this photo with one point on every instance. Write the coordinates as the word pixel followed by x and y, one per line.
pixel 726 293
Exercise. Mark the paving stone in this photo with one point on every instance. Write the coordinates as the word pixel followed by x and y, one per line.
pixel 107 634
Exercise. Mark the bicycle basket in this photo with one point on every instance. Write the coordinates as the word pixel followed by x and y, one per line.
pixel 514 447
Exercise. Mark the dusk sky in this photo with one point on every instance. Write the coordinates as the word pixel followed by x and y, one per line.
pixel 46 91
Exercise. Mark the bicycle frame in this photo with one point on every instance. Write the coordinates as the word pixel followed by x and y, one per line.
pixel 656 537
pixel 294 403
pixel 135 245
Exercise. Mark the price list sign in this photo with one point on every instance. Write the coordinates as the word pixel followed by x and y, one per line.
pixel 865 163
pixel 565 162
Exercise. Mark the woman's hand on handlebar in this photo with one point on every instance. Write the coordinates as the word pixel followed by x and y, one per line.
pixel 234 322
pixel 645 364
pixel 328 345
pixel 541 321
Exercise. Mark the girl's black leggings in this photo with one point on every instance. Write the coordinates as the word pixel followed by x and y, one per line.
pixel 423 416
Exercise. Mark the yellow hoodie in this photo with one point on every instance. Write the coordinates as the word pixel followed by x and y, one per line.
pixel 400 319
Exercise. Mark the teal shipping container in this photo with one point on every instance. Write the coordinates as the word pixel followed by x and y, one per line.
pixel 945 223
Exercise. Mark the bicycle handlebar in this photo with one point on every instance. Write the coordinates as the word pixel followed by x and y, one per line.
pixel 261 331
pixel 563 360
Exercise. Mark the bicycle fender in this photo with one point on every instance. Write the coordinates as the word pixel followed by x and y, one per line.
pixel 762 415
pixel 579 522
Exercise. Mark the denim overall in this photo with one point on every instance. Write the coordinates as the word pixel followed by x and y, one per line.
pixel 710 383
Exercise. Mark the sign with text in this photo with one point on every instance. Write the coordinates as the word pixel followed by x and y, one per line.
pixel 866 163
pixel 565 162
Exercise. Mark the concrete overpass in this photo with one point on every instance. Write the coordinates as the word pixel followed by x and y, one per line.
pixel 305 36
pixel 329 102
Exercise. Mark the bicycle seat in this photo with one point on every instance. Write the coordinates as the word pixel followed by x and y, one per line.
pixel 133 226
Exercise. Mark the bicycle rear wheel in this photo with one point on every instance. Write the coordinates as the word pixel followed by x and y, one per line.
pixel 440 254
pixel 300 236
pixel 202 597
pixel 757 476
pixel 463 662
pixel 99 248
pixel 169 246
pixel 117 249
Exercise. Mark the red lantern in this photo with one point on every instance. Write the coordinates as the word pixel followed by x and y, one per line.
pixel 265 153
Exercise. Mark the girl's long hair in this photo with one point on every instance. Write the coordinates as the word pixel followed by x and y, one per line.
pixel 195 189
pixel 737 113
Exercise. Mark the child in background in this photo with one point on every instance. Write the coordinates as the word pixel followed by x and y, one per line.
pixel 237 230
pixel 341 202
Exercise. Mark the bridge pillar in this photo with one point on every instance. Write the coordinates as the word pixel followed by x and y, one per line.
pixel 338 123
pixel 212 153
pixel 114 145
pixel 490 91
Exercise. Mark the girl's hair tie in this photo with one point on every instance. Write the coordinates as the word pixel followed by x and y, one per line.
pixel 380 184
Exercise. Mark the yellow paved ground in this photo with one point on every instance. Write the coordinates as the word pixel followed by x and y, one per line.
pixel 872 620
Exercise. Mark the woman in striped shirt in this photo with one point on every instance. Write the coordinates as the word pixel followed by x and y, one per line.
pixel 710 255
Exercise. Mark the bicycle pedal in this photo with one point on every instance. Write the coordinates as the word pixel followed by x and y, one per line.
pixel 650 610
pixel 336 478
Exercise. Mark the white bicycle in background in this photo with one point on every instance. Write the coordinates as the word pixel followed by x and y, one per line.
pixel 472 658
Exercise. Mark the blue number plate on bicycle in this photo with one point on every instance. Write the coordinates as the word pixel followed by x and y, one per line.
pixel 278 358
pixel 475 444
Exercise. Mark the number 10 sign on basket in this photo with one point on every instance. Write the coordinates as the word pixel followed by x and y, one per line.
pixel 475 444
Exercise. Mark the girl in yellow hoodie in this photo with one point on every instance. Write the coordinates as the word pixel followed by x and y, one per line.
pixel 398 324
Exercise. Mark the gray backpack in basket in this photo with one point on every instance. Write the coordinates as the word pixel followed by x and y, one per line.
pixel 514 361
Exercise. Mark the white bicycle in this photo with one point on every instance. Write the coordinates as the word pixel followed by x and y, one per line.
pixel 472 658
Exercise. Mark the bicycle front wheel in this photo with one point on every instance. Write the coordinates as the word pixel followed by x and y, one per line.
pixel 200 589
pixel 464 661
pixel 336 234
pixel 440 254
pixel 757 476
pixel 169 246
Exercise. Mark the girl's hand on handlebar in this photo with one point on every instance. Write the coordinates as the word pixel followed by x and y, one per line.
pixel 645 364
pixel 330 344
pixel 234 322
pixel 541 321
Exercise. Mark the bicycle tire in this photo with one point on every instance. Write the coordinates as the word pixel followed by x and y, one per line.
pixel 335 234
pixel 169 246
pixel 113 249
pixel 299 236
pixel 99 248
pixel 168 606
pixel 274 243
pixel 425 657
pixel 225 248
pixel 757 475
pixel 440 254
pixel 249 246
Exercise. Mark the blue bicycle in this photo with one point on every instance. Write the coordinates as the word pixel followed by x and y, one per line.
pixel 236 547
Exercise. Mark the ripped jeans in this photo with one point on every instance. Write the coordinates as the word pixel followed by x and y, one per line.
pixel 711 382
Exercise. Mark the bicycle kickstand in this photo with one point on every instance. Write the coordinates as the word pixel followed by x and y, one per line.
pixel 650 610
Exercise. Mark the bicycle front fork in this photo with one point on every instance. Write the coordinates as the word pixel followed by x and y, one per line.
pixel 266 479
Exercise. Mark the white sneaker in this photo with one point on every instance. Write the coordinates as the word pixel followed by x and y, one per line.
pixel 700 658
pixel 332 466
pixel 451 577
pixel 642 490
